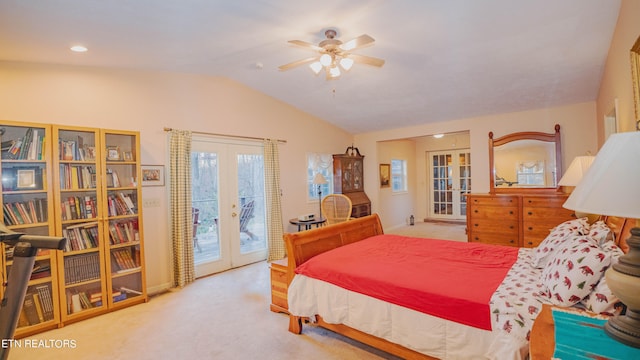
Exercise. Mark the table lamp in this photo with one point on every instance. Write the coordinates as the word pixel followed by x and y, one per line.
pixel 319 180
pixel 611 186
pixel 572 177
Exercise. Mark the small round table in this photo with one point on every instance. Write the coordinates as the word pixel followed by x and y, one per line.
pixel 307 223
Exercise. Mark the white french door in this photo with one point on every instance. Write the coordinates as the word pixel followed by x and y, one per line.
pixel 450 174
pixel 228 197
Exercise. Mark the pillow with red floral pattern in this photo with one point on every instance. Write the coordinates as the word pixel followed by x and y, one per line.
pixel 600 232
pixel 556 238
pixel 574 271
pixel 602 300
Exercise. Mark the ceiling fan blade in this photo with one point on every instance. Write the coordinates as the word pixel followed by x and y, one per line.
pixel 297 63
pixel 368 60
pixel 358 42
pixel 306 45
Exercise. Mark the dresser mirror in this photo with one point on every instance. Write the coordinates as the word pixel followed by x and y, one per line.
pixel 525 162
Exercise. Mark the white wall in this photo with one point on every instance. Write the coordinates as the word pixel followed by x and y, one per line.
pixel 149 101
pixel 397 206
pixel 578 132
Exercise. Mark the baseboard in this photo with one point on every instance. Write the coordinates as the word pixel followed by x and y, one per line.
pixel 158 289
pixel 446 221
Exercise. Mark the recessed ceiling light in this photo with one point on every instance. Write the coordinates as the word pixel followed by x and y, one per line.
pixel 79 48
pixel 438 136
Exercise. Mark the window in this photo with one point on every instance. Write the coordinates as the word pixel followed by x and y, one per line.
pixel 398 175
pixel 531 173
pixel 323 164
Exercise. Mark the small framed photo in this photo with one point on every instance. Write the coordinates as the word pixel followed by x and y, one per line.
pixel 152 175
pixel 89 153
pixel 127 156
pixel 113 153
pixel 385 175
pixel 26 179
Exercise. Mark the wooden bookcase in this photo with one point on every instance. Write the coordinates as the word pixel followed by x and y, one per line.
pixel 28 207
pixel 80 183
pixel 96 185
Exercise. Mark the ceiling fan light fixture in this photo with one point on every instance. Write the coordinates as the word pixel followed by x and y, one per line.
pixel 316 67
pixel 326 60
pixel 346 63
pixel 334 71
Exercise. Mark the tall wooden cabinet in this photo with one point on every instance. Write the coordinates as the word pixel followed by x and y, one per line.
pixel 522 220
pixel 83 186
pixel 348 179
pixel 28 207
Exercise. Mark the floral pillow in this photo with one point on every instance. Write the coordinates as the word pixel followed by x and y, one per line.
pixel 600 232
pixel 574 271
pixel 557 238
pixel 601 300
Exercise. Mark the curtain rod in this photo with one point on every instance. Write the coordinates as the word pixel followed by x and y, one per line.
pixel 230 136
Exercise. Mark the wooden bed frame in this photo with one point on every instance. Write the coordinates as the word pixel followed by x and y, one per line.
pixel 302 246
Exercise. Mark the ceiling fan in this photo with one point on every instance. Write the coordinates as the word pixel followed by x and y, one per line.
pixel 333 55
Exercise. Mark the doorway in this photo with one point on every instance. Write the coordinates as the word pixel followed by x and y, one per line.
pixel 450 172
pixel 228 204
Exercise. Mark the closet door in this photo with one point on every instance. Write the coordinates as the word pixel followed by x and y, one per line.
pixel 450 174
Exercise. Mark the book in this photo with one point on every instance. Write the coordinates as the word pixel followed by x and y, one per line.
pixel 30 309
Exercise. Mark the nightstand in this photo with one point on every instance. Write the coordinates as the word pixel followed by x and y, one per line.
pixel 279 286
pixel 591 343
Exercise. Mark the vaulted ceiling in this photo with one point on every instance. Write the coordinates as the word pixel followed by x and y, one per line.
pixel 444 59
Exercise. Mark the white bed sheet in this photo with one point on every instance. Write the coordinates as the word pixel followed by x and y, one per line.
pixel 421 332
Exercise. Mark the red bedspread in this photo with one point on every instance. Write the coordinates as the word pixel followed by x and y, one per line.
pixel 447 279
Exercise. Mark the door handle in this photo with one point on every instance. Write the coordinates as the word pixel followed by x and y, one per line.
pixel 234 214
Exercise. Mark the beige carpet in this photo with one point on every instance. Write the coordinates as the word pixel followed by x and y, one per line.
pixel 224 316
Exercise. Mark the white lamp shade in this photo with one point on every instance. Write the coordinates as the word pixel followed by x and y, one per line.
pixel 316 67
pixel 319 179
pixel 326 59
pixel 576 170
pixel 346 63
pixel 611 186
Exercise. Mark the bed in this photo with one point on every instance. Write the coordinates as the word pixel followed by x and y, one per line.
pixel 471 320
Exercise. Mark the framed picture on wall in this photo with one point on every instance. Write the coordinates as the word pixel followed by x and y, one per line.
pixel 385 175
pixel 152 175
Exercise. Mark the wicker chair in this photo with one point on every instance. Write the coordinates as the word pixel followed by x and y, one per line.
pixel 336 208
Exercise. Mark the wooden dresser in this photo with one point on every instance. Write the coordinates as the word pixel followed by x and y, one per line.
pixel 521 220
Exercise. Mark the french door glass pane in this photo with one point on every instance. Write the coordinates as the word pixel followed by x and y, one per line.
pixel 251 200
pixel 205 206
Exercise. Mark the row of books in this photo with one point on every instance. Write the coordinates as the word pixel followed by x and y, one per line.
pixel 81 236
pixel 76 150
pixel 121 204
pixel 82 300
pixel 74 177
pixel 25 212
pixel 81 267
pixel 37 307
pixel 28 147
pixel 123 231
pixel 122 260
pixel 79 207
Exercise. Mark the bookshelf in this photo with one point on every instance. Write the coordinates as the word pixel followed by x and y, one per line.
pixel 123 225
pixel 99 196
pixel 77 184
pixel 27 204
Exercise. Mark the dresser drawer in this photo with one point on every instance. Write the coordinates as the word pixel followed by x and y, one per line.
pixel 494 238
pixel 544 201
pixel 493 200
pixel 493 212
pixel 557 215
pixel 494 226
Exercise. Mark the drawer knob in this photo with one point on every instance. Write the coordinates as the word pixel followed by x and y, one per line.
pixel 511 212
pixel 530 243
pixel 511 241
pixel 530 213
pixel 475 211
pixel 476 238
pixel 476 225
pixel 511 227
